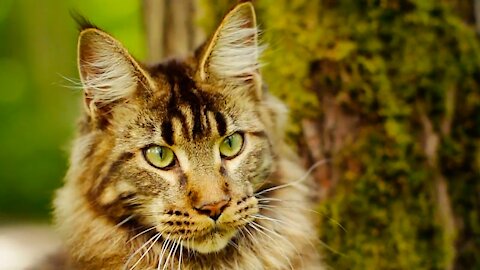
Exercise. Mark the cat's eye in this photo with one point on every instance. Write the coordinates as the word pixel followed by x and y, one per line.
pixel 159 156
pixel 231 145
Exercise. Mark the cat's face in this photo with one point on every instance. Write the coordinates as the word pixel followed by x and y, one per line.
pixel 194 161
pixel 185 145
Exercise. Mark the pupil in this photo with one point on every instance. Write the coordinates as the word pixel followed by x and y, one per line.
pixel 230 142
pixel 160 153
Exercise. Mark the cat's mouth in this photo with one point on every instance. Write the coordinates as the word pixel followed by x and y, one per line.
pixel 218 235
pixel 207 240
pixel 213 241
pixel 211 238
pixel 203 234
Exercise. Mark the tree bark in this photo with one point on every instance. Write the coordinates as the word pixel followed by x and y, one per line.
pixel 171 28
pixel 477 15
pixel 431 140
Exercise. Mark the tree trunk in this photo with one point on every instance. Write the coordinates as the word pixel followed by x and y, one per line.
pixel 171 28
pixel 477 15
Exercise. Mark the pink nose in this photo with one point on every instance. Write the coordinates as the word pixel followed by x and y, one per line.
pixel 213 210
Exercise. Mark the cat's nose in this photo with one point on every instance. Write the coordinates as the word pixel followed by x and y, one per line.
pixel 213 209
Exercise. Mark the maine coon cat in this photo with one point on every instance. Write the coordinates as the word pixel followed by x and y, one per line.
pixel 183 164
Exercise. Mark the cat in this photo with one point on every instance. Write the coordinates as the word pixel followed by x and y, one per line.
pixel 183 164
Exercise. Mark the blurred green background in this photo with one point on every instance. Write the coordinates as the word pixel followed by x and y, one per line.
pixel 38 104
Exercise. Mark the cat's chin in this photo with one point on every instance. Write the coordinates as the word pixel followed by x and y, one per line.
pixel 214 242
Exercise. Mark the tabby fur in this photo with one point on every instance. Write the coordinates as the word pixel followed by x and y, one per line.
pixel 115 211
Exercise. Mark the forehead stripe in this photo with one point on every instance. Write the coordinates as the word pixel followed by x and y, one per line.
pixel 196 103
pixel 221 123
pixel 167 132
pixel 175 112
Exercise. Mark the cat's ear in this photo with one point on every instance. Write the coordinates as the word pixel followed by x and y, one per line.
pixel 107 71
pixel 232 54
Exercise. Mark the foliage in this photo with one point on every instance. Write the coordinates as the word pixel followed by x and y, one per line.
pixel 395 66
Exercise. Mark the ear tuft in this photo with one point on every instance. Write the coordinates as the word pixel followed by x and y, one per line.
pixel 233 52
pixel 82 22
pixel 108 73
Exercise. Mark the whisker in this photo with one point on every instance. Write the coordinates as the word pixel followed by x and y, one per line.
pixel 124 221
pixel 165 245
pixel 179 247
pixel 315 165
pixel 252 238
pixel 259 216
pixel 241 232
pixel 138 250
pixel 331 249
pixel 113 230
pixel 161 252
pixel 245 237
pixel 271 208
pixel 267 199
pixel 230 242
pixel 155 238
pixel 71 83
pixel 189 252
pixel 138 234
pixel 286 224
pixel 194 253
pixel 175 252
pixel 270 199
pixel 180 258
pixel 172 249
pixel 275 233
pixel 279 235
pixel 254 225
pixel 337 223
pixel 309 241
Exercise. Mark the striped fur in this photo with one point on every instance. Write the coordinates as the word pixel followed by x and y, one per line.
pixel 115 211
pixel 233 52
pixel 108 73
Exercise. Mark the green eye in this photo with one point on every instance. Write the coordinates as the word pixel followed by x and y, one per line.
pixel 231 145
pixel 159 156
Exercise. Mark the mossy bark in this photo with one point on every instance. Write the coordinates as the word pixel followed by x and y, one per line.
pixel 388 93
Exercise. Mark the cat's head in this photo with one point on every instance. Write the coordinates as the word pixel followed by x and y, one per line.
pixel 180 147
